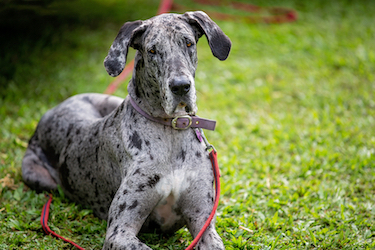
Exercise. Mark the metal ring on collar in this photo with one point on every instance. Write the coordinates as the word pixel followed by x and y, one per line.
pixel 174 122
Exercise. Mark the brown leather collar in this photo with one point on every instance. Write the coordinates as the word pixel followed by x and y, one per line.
pixel 179 122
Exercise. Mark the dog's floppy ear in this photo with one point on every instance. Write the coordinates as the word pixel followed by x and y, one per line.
pixel 115 61
pixel 219 43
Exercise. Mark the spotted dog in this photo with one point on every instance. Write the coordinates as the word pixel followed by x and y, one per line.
pixel 139 175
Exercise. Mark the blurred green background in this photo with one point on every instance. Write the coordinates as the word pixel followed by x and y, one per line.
pixel 294 104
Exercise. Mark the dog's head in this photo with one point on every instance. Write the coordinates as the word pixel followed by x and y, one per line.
pixel 166 58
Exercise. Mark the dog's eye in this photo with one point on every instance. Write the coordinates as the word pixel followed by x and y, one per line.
pixel 189 44
pixel 152 51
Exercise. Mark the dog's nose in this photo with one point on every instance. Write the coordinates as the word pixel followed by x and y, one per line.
pixel 180 86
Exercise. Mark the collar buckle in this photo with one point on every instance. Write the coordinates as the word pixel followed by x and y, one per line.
pixel 182 124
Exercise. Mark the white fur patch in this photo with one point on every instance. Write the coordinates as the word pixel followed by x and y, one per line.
pixel 170 187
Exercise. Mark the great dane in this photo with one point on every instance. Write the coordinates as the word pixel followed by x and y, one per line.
pixel 139 175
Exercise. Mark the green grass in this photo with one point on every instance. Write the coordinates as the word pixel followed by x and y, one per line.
pixel 295 108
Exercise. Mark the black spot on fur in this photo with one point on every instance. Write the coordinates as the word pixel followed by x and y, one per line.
pixel 138 171
pixel 136 141
pixel 114 67
pixel 70 127
pixel 115 53
pixel 210 198
pixel 141 188
pixel 182 155
pixel 50 155
pixel 114 233
pixel 122 207
pixel 64 175
pixel 198 154
pixel 117 112
pixel 96 190
pixel 178 211
pixel 87 99
pixel 68 143
pixel 134 205
pixel 96 153
pixel 78 131
pixel 110 221
pixel 125 192
pixel 152 181
pixel 137 93
pixel 79 162
pixel 96 131
pixel 122 106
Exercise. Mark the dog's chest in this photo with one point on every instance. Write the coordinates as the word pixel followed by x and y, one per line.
pixel 174 160
pixel 171 187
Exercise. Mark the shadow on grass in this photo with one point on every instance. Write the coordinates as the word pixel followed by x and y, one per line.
pixel 28 27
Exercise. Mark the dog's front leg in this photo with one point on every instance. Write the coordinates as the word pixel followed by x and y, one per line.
pixel 134 201
pixel 210 239
pixel 197 204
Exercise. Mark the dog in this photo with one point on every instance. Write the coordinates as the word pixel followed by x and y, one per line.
pixel 138 174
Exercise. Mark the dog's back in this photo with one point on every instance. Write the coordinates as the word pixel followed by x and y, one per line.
pixel 60 136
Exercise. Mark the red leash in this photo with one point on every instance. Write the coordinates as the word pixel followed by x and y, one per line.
pixel 216 171
pixel 44 222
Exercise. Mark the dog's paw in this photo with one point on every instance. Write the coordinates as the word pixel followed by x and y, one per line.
pixel 210 241
pixel 131 243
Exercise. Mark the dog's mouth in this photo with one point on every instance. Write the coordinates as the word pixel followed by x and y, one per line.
pixel 183 109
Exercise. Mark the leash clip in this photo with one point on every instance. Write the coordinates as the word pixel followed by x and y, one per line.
pixel 201 137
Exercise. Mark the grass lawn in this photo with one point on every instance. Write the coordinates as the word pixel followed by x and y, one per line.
pixel 295 106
